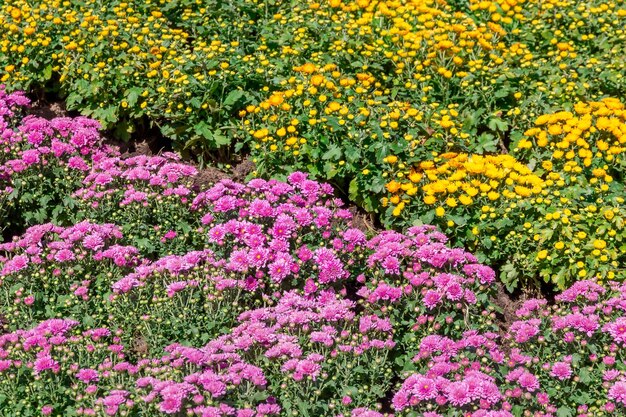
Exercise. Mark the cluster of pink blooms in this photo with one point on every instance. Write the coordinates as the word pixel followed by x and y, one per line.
pixel 466 374
pixel 65 264
pixel 42 160
pixel 578 342
pixel 37 142
pixel 148 196
pixel 304 342
pixel 276 232
pixel 184 379
pixel 553 356
pixel 50 243
pixel 9 102
pixel 140 180
pixel 418 261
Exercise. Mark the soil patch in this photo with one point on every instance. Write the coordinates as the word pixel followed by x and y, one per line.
pixel 508 304
pixel 243 169
pixel 48 110
pixel 208 176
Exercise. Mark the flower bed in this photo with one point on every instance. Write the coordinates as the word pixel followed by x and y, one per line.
pixel 263 299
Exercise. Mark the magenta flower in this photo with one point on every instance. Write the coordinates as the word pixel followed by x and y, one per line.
pixel 87 375
pixel 617 392
pixel 561 370
pixel 617 330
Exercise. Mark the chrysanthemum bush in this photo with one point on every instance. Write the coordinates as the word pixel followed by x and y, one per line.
pixel 42 161
pixel 316 351
pixel 281 235
pixel 561 359
pixel 473 198
pixel 56 368
pixel 575 226
pixel 402 78
pixel 425 288
pixel 148 196
pixel 9 103
pixel 468 377
pixel 56 272
pixel 552 210
pixel 575 348
pixel 484 67
pixel 362 94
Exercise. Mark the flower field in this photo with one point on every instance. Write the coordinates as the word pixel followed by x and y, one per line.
pixel 485 139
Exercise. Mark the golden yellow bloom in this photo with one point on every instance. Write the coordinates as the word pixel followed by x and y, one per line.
pixel 466 200
pixel 492 195
pixel 393 186
pixel 415 177
pixel 398 210
pixel 276 99
pixel 430 199
pixel 334 106
pixel 599 244
pixel 307 68
pixel 317 80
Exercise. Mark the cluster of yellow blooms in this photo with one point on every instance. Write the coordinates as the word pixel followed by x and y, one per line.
pixel 456 70
pixel 563 219
pixel 590 137
pixel 456 180
pixel 122 58
pixel 565 239
pixel 323 102
pixel 579 224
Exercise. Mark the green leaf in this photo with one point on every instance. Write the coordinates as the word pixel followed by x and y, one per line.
pixel 220 140
pixel 203 130
pixel 368 203
pixel 47 72
pixel 564 412
pixel 195 103
pixel 547 35
pixel 509 276
pixel 353 154
pixel 232 98
pixel 498 124
pixel 582 397
pixel 459 220
pixel 376 185
pixel 73 99
pixel 353 189
pixel 333 153
pixel 132 95
pixel 330 170
pixel 428 217
pixel 503 92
